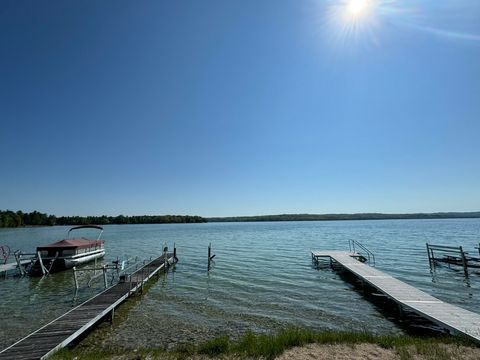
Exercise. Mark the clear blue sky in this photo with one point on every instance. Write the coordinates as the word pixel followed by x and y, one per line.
pixel 221 108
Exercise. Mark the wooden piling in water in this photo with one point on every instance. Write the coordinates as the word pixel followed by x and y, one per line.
pixel 210 256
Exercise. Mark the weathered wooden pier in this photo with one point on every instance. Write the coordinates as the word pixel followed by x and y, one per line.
pixel 76 322
pixel 447 316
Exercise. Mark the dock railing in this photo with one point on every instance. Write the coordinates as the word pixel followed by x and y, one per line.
pixel 354 244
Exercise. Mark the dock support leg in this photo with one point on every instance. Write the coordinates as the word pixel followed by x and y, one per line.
pixel 112 315
pixel 464 262
pixel 105 277
pixel 41 262
pixel 165 260
pixel 75 279
pixel 19 263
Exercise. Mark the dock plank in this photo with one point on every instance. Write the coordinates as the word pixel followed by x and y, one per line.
pixel 450 317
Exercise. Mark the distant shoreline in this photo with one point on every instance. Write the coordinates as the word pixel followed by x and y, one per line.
pixel 339 217
pixel 10 219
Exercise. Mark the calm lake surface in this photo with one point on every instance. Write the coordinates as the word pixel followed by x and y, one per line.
pixel 262 279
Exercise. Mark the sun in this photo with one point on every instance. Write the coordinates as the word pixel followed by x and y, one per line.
pixel 357 8
pixel 354 21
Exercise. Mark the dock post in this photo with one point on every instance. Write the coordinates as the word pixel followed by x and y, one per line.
pixel 210 256
pixel 41 262
pixel 431 258
pixel 464 262
pixel 400 311
pixel 104 276
pixel 75 279
pixel 175 252
pixel 165 257
pixel 209 253
pixel 18 255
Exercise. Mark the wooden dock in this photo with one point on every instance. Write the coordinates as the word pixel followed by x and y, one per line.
pixel 66 328
pixel 450 317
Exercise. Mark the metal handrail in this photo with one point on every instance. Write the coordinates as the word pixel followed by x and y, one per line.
pixel 353 243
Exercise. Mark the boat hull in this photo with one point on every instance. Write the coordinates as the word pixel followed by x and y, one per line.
pixel 62 264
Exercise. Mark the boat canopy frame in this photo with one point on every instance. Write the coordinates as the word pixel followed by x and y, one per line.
pixel 86 227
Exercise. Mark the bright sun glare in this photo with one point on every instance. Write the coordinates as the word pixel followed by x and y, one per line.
pixel 356 20
pixel 356 8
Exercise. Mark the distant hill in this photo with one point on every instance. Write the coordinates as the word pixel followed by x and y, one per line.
pixel 359 216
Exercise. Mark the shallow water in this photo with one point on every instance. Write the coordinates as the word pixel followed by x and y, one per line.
pixel 262 278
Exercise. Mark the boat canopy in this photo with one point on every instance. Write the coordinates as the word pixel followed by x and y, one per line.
pixel 72 244
pixel 86 227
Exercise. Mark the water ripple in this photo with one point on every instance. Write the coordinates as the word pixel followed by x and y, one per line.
pixel 261 279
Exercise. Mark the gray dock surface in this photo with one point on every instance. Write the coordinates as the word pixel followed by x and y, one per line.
pixel 66 328
pixel 451 317
pixel 12 266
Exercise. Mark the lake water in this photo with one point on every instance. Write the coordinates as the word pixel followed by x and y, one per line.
pixel 262 278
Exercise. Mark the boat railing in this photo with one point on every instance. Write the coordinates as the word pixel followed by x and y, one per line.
pixel 354 244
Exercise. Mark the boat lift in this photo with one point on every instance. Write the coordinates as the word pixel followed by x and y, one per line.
pixel 21 263
pixel 452 255
pixel 120 270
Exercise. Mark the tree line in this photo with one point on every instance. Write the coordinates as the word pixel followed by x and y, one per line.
pixel 10 218
pixel 359 216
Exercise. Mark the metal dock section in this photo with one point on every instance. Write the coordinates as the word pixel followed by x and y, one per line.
pixel 66 328
pixel 451 317
pixel 5 268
